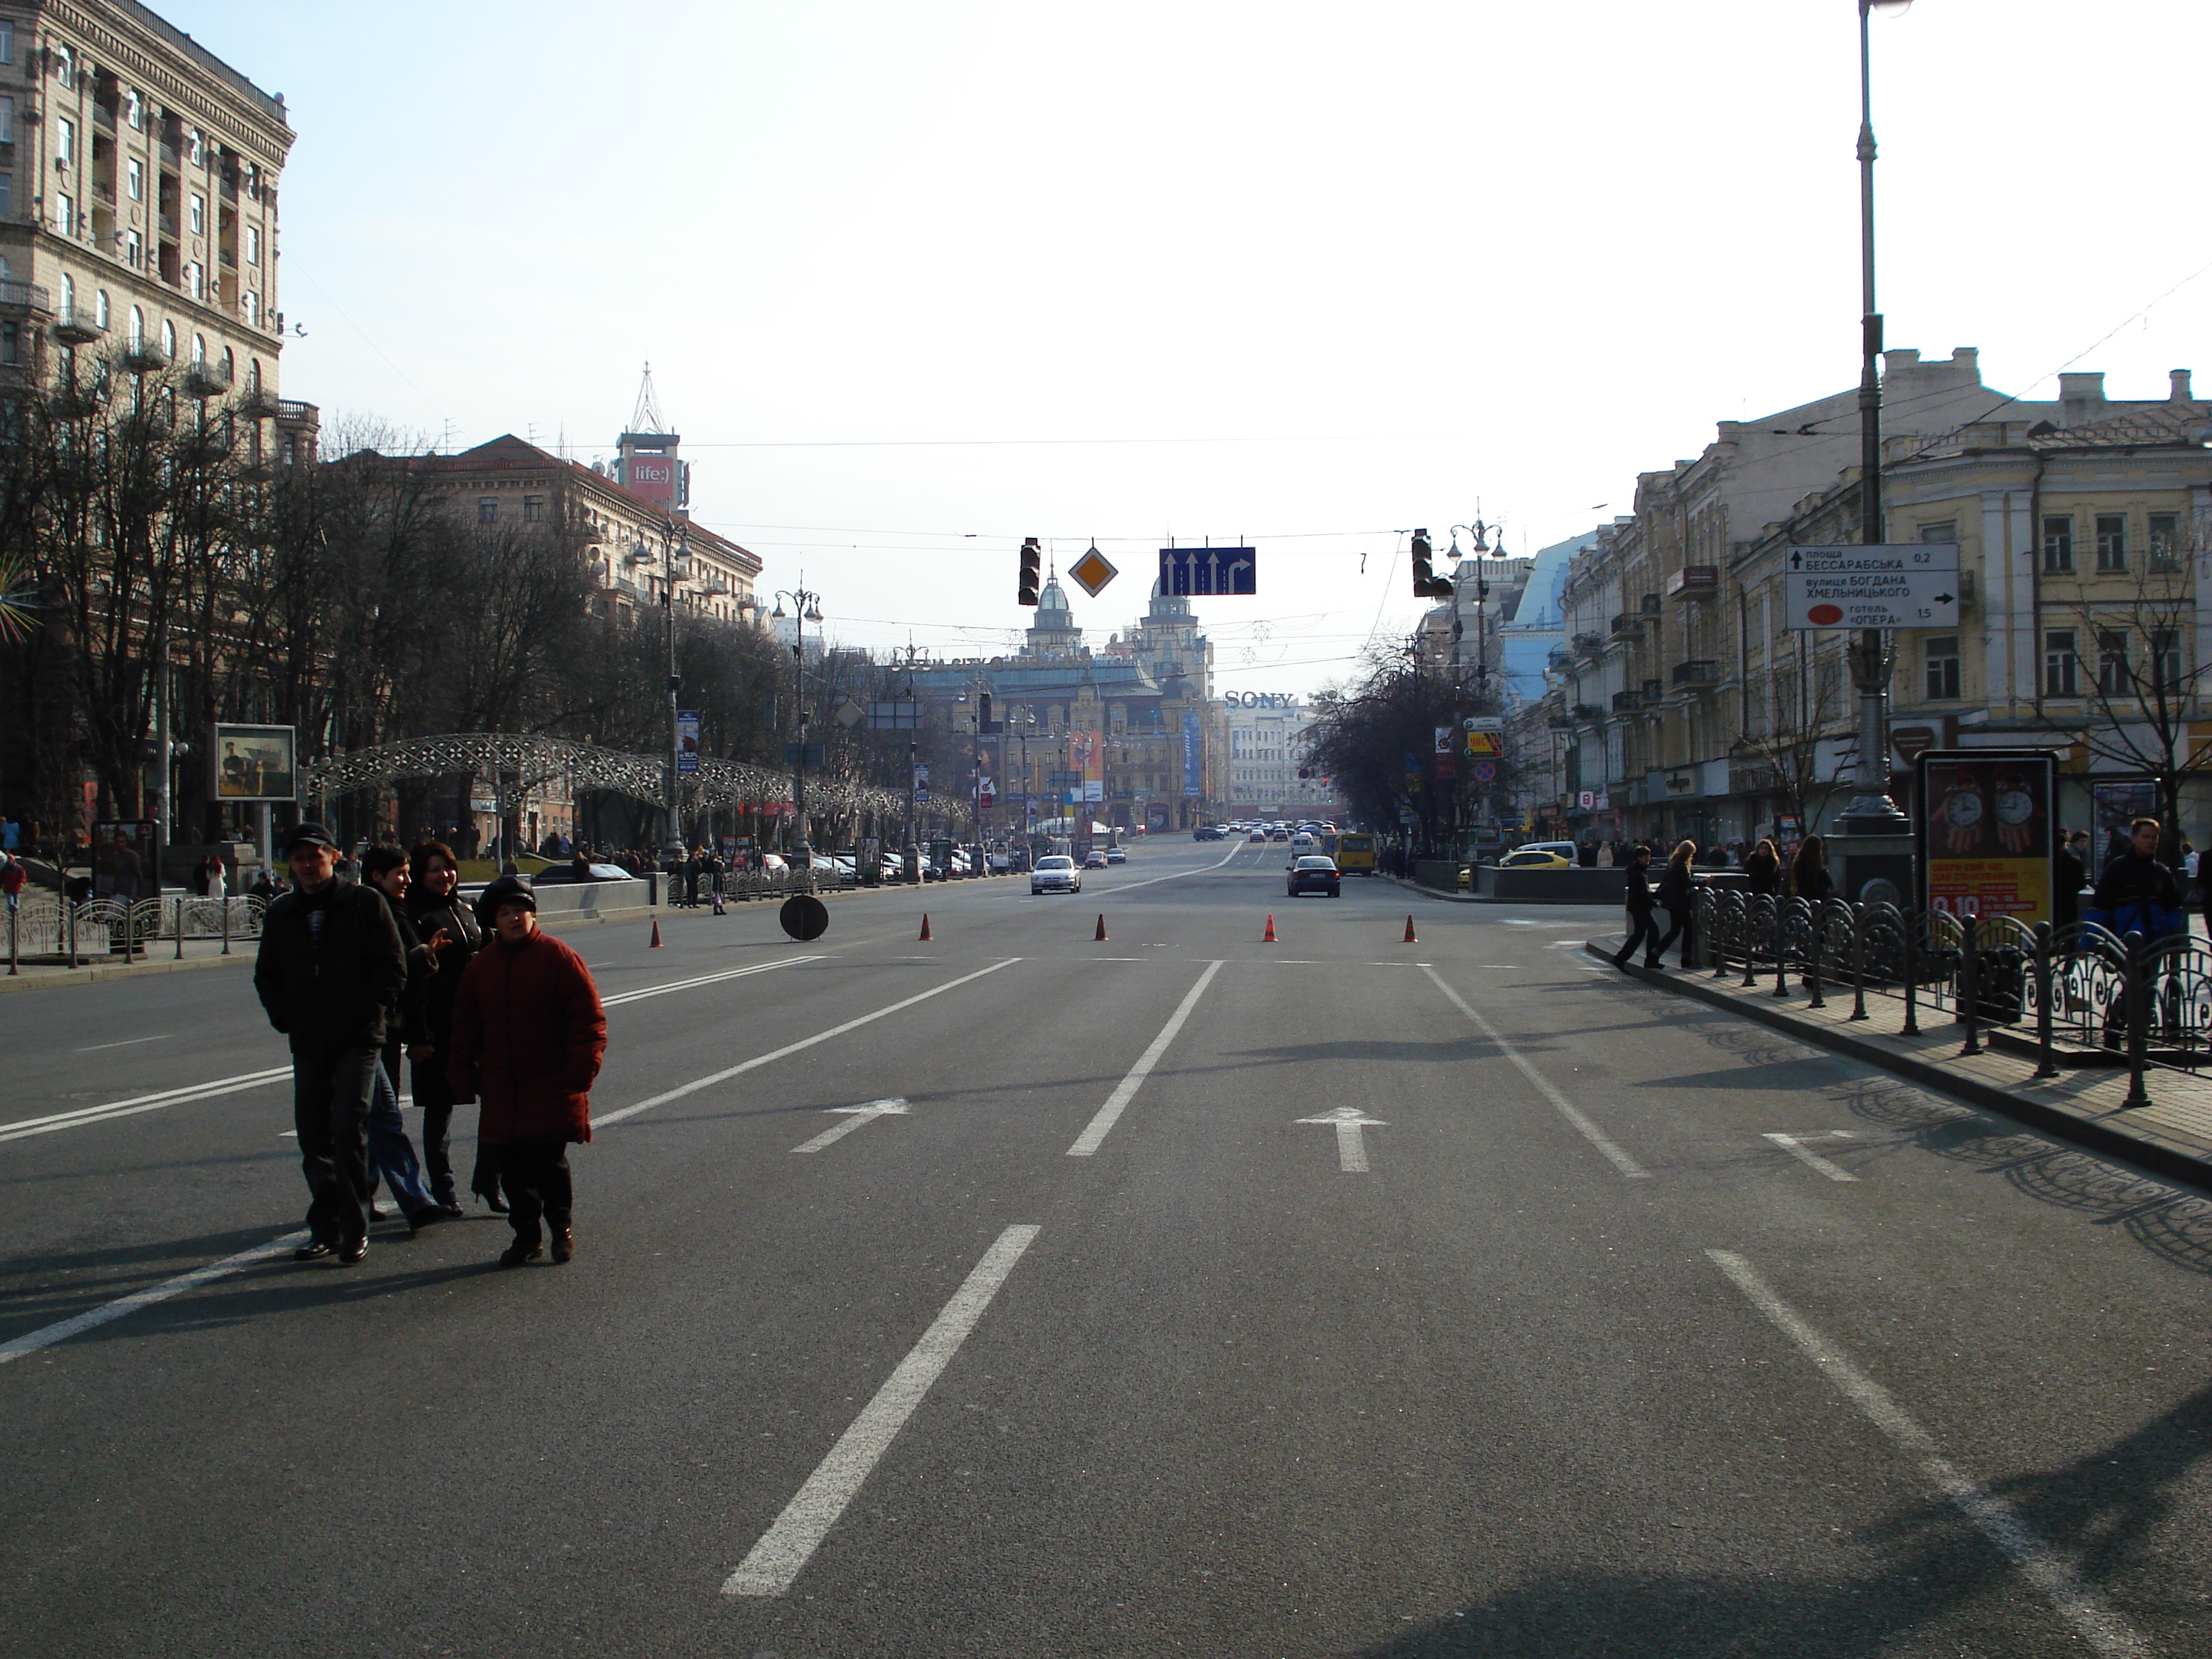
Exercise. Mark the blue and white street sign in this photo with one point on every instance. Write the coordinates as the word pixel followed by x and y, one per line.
pixel 1196 572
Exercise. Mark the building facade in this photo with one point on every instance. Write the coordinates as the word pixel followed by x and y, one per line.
pixel 138 199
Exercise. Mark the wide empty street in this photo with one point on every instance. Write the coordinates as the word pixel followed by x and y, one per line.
pixel 1018 1292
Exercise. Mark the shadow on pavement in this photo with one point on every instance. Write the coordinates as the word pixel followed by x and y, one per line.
pixel 1946 1589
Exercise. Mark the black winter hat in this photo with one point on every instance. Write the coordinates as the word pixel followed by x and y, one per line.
pixel 508 889
pixel 308 834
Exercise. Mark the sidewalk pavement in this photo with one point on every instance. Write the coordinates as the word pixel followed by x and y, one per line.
pixel 2171 1136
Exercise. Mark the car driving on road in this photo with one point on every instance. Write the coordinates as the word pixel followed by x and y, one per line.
pixel 1314 872
pixel 1056 873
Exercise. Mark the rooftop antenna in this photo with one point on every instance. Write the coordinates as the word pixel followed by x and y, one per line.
pixel 647 416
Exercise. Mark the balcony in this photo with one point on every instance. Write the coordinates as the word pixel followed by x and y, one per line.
pixel 1589 643
pixel 1561 722
pixel 206 380
pixel 1627 626
pixel 255 403
pixel 293 412
pixel 74 328
pixel 1697 672
pixel 142 357
pixel 103 118
pixel 1627 702
pixel 1694 582
pixel 26 297
pixel 1584 713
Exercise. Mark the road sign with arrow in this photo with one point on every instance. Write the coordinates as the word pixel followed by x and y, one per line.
pixel 1892 584
pixel 1188 572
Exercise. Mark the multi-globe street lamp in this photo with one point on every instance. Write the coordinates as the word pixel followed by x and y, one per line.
pixel 805 607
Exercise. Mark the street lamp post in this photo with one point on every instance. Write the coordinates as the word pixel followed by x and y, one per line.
pixel 669 541
pixel 805 607
pixel 1871 811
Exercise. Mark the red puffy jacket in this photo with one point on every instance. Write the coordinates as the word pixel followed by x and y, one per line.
pixel 528 1035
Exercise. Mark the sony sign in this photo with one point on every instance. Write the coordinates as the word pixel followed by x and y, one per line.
pixel 1259 700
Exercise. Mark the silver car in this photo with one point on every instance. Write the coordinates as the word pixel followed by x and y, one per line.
pixel 1056 873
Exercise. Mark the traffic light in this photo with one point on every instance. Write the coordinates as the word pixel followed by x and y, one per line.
pixel 1427 585
pixel 1032 571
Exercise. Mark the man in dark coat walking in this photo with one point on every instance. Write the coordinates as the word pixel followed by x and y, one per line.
pixel 329 964
pixel 528 1035
pixel 1641 927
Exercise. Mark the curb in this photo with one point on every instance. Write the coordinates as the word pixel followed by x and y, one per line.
pixel 2145 1149
pixel 46 976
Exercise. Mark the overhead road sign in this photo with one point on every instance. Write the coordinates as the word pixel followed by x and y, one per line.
pixel 1197 572
pixel 1094 570
pixel 1898 558
pixel 1871 598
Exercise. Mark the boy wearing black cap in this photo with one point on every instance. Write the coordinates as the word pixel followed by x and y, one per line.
pixel 330 963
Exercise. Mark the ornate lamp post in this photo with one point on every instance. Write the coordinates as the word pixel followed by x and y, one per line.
pixel 805 607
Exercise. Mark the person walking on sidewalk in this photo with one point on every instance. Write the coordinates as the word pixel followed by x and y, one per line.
pixel 1809 872
pixel 1640 905
pixel 1762 871
pixel 2137 894
pixel 528 1037
pixel 435 908
pixel 330 964
pixel 1676 888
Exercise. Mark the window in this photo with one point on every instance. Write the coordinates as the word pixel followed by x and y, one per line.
pixel 1944 530
pixel 197 215
pixel 65 141
pixel 487 510
pixel 1942 658
pixel 136 332
pixel 100 308
pixel 69 297
pixel 2112 677
pixel 7 194
pixel 253 245
pixel 134 111
pixel 197 147
pixel 134 179
pixel 533 509
pixel 65 66
pixel 2111 542
pixel 168 339
pixel 254 373
pixel 11 342
pixel 7 40
pixel 2164 542
pixel 2058 545
pixel 194 281
pixel 2059 661
pixel 7 120
pixel 65 214
pixel 134 249
pixel 251 305
pixel 199 347
pixel 2165 659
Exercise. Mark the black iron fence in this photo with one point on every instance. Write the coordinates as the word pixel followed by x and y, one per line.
pixel 2072 997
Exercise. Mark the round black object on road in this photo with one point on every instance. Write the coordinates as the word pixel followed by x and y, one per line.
pixel 804 916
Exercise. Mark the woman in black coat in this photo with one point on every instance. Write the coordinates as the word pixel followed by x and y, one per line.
pixel 1809 872
pixel 1676 890
pixel 1762 871
pixel 435 906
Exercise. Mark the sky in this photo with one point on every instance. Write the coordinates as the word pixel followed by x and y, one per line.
pixel 918 280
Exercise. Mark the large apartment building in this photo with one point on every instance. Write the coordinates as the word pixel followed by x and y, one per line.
pixel 139 179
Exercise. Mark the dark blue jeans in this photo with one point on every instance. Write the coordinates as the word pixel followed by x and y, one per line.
pixel 390 1151
pixel 1641 928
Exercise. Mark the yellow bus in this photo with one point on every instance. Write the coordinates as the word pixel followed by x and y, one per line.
pixel 1355 853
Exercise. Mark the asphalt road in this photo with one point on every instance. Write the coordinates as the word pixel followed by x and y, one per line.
pixel 1336 1296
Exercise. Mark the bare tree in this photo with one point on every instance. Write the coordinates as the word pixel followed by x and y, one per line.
pixel 1805 707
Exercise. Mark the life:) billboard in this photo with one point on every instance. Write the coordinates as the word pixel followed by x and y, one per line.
pixel 654 477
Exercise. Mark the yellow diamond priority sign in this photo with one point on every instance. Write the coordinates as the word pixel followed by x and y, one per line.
pixel 1093 571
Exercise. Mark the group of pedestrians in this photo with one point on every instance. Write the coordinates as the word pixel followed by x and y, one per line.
pixel 1805 875
pixel 482 1005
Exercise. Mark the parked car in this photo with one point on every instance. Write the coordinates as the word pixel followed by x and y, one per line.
pixel 1314 872
pixel 1535 857
pixel 1056 873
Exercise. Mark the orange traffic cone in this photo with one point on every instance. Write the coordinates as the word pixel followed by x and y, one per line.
pixel 1101 934
pixel 656 933
pixel 1410 939
pixel 1269 938
pixel 925 925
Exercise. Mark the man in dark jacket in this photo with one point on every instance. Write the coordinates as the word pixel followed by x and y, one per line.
pixel 528 1035
pixel 1641 927
pixel 329 965
pixel 2137 894
pixel 2070 870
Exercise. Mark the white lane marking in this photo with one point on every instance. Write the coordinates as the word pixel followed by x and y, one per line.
pixel 1132 886
pixel 1349 1124
pixel 1093 1135
pixel 709 1082
pixel 786 1547
pixel 644 992
pixel 2098 1624
pixel 1795 1147
pixel 856 1117
pixel 22 1128
pixel 127 1043
pixel 1566 1107
pixel 46 1336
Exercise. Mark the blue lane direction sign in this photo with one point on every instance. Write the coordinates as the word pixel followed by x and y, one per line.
pixel 1199 572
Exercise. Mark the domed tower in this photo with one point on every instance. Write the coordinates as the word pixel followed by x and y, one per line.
pixel 1053 633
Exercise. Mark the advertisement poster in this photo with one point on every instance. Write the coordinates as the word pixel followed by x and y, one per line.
pixel 2115 802
pixel 1192 752
pixel 1988 831
pixel 687 739
pixel 125 862
pixel 920 781
pixel 254 762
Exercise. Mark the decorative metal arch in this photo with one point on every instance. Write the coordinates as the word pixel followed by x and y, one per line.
pixel 517 766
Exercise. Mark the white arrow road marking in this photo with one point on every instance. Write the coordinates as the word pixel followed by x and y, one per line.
pixel 2099 1625
pixel 855 1117
pixel 786 1546
pixel 1351 1144
pixel 22 1128
pixel 1794 1145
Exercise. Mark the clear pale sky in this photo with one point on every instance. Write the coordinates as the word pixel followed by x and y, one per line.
pixel 917 280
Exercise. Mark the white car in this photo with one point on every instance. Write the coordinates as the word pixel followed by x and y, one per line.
pixel 1056 873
